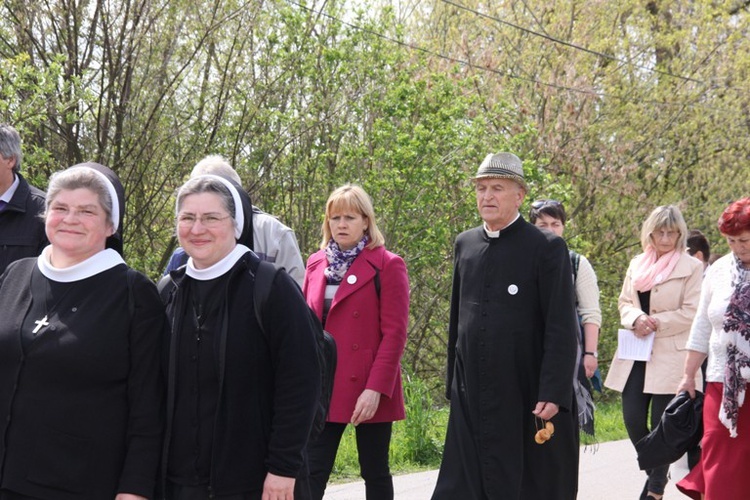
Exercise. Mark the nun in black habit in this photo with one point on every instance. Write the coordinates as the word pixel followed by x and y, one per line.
pixel 80 386
pixel 511 353
pixel 240 398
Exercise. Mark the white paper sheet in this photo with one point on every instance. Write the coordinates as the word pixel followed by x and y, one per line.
pixel 631 347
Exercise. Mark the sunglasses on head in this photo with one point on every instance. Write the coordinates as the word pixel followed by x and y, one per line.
pixel 543 203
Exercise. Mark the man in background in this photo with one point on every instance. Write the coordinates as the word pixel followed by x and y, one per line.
pixel 698 247
pixel 21 229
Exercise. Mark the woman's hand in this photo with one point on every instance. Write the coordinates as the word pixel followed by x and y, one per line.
pixel 687 384
pixel 367 405
pixel 128 496
pixel 278 487
pixel 589 365
pixel 645 325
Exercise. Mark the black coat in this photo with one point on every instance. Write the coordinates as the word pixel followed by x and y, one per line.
pixel 81 406
pixel 268 385
pixel 21 229
pixel 512 343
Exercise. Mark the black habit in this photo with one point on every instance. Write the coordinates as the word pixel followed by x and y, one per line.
pixel 80 401
pixel 512 343
pixel 265 391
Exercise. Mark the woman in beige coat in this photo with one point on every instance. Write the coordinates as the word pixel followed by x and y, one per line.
pixel 659 297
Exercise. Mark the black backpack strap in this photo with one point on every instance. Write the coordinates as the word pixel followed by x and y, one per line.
pixel 264 276
pixel 376 279
pixel 575 260
pixel 165 287
pixel 131 295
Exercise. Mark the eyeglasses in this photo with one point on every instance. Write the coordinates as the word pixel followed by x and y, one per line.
pixel 543 203
pixel 206 220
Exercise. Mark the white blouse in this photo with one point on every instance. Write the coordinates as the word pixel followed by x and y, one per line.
pixel 716 292
pixel 587 293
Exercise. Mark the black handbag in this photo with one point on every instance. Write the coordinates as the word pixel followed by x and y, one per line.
pixel 680 429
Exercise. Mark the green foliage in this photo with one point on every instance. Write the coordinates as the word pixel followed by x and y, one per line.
pixel 617 108
pixel 420 445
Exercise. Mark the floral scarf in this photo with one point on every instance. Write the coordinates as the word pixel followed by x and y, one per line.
pixel 735 336
pixel 340 260
pixel 653 270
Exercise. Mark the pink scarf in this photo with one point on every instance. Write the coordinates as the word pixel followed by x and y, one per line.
pixel 651 270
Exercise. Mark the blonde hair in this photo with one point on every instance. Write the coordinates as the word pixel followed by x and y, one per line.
pixel 665 216
pixel 351 197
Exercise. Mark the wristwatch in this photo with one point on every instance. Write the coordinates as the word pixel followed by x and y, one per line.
pixel 592 353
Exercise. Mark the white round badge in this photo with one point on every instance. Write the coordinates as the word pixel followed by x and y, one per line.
pixel 512 289
pixel 351 279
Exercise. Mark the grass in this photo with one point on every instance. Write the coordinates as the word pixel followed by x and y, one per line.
pixel 608 418
pixel 417 442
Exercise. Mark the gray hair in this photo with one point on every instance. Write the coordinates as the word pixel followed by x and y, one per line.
pixel 216 165
pixel 668 217
pixel 80 178
pixel 10 145
pixel 208 185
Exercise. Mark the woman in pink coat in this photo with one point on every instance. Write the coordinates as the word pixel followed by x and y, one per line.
pixel 360 291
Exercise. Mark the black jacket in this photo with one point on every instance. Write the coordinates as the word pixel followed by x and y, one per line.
pixel 80 406
pixel 268 386
pixel 680 429
pixel 21 229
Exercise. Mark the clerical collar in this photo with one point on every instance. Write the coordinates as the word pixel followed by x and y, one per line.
pixel 496 234
pixel 97 263
pixel 218 269
pixel 8 194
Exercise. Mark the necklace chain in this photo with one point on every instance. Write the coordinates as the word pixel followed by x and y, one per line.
pixel 43 322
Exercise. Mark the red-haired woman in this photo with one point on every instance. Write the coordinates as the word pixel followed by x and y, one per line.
pixel 721 331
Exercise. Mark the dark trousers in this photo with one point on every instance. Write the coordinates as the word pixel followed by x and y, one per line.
pixel 181 492
pixel 373 442
pixel 694 453
pixel 635 404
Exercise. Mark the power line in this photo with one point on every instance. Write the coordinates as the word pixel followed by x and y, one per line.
pixel 571 45
pixel 469 64
pixel 450 58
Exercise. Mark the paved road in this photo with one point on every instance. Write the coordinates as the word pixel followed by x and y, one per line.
pixel 610 473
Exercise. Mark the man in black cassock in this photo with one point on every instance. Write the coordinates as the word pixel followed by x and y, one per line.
pixel 511 353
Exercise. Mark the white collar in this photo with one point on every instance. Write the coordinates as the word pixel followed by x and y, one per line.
pixel 496 234
pixel 8 194
pixel 97 263
pixel 218 269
